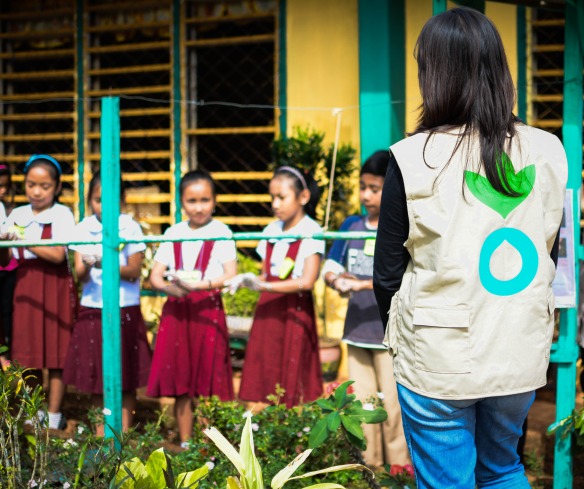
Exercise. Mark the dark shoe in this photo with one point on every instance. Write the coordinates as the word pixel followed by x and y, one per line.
pixel 62 423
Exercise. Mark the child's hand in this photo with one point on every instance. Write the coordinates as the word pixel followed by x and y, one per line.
pixel 88 260
pixel 247 280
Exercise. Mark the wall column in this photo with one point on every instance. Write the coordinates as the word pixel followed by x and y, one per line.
pixel 381 74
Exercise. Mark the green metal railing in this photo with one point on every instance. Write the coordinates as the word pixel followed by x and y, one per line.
pixel 110 196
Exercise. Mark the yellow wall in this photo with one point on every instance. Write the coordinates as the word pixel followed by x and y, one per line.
pixel 418 12
pixel 322 41
pixel 323 65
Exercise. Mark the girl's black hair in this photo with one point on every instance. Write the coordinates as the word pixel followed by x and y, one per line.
pixel 466 84
pixel 301 178
pixel 95 181
pixel 193 176
pixel 376 164
pixel 53 172
pixel 5 171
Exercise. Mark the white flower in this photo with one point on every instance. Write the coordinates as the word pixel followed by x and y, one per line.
pixel 107 411
pixel 247 414
pixel 70 442
pixel 80 430
pixel 32 483
pixel 236 427
pixel 381 395
pixel 299 434
pixel 255 426
pixel 368 406
pixel 306 429
pixel 66 485
pixel 211 465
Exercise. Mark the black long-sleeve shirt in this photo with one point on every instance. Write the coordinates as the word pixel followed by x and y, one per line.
pixel 391 257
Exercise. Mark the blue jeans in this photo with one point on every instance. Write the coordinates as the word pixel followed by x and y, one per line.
pixel 456 444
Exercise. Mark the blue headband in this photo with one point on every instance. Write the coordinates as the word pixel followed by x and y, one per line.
pixel 48 158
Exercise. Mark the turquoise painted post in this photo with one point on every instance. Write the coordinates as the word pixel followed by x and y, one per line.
pixel 567 350
pixel 110 197
pixel 381 73
pixel 439 6
pixel 176 105
pixel 80 108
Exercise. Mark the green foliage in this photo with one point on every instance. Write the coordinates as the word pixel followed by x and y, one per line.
pixel 157 473
pixel 249 469
pixel 571 424
pixel 281 434
pixel 398 477
pixel 304 149
pixel 20 402
pixel 243 302
pixel 85 460
pixel 342 410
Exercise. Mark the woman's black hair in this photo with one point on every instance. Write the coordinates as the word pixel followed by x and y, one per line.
pixel 376 164
pixel 466 84
pixel 51 168
pixel 302 181
pixel 195 175
pixel 96 181
pixel 5 171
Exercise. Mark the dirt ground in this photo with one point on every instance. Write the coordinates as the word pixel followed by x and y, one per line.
pixel 539 447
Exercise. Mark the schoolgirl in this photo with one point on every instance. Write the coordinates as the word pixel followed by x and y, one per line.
pixel 191 356
pixel 283 344
pixel 45 297
pixel 349 270
pixel 7 273
pixel 83 366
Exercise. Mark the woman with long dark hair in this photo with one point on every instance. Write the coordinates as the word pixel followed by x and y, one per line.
pixel 471 207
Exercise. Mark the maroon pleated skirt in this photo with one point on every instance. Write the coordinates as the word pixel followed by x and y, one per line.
pixel 45 304
pixel 191 356
pixel 84 364
pixel 282 349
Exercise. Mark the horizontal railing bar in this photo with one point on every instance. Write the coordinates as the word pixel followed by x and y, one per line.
pixel 244 236
pixel 44 53
pixel 229 18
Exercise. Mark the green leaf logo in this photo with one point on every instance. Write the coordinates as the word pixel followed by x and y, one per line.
pixel 522 182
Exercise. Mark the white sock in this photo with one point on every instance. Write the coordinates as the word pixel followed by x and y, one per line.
pixel 54 420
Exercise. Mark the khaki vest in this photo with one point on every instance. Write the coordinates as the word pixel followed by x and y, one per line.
pixel 474 314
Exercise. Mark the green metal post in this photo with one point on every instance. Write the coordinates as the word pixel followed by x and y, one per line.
pixel 80 108
pixel 572 138
pixel 381 73
pixel 110 197
pixel 176 105
pixel 439 6
pixel 282 82
pixel 521 64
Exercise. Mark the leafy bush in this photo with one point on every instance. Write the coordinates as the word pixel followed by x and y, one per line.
pixel 84 460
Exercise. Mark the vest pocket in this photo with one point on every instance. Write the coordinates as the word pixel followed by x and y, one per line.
pixel 442 340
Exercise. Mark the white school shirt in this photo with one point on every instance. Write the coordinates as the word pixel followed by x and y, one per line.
pixel 223 251
pixel 92 229
pixel 60 217
pixel 307 247
pixel 2 213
